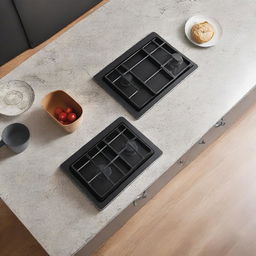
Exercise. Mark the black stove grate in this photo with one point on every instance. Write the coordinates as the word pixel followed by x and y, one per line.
pixel 109 160
pixel 142 75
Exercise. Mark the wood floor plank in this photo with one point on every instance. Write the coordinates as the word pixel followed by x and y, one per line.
pixel 208 209
pixel 15 239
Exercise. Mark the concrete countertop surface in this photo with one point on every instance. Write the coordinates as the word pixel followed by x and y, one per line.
pixel 54 210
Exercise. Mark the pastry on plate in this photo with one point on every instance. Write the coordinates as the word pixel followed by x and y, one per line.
pixel 202 32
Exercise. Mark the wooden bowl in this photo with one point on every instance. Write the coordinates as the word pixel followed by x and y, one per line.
pixel 62 99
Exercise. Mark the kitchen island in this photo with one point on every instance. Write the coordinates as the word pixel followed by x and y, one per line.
pixel 54 210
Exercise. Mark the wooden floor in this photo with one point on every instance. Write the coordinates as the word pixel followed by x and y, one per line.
pixel 15 240
pixel 208 209
pixel 9 66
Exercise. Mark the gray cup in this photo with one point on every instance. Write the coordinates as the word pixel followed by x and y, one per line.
pixel 15 137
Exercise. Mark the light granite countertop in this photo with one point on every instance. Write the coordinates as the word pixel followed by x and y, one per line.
pixel 54 210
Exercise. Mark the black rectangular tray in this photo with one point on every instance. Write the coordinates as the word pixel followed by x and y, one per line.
pixel 110 161
pixel 144 74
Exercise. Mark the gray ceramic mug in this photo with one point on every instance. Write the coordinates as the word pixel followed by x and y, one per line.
pixel 15 137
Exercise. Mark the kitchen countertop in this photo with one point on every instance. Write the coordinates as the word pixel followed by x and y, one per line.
pixel 54 210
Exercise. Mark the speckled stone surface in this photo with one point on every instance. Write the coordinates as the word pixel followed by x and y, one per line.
pixel 61 217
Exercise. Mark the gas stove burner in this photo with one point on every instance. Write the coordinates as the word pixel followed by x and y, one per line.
pixel 110 161
pixel 105 169
pixel 128 77
pixel 131 147
pixel 144 74
pixel 178 58
pixel 126 80
pixel 175 65
pixel 124 83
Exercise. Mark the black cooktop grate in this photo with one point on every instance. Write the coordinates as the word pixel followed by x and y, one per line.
pixel 142 75
pixel 110 159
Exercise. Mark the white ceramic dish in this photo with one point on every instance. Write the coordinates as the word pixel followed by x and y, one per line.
pixel 16 97
pixel 201 18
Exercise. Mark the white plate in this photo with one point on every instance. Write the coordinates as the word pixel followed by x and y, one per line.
pixel 16 97
pixel 198 19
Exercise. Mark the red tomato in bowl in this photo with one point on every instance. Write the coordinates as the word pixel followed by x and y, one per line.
pixel 68 110
pixel 57 111
pixel 62 116
pixel 72 117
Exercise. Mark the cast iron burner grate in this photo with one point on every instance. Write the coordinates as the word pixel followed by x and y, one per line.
pixel 144 74
pixel 110 161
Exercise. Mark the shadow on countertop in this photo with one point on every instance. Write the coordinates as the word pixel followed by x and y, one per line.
pixel 72 191
pixel 5 153
pixel 42 128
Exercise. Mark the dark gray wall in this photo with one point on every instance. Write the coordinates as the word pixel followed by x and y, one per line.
pixel 43 18
pixel 12 38
pixel 26 23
